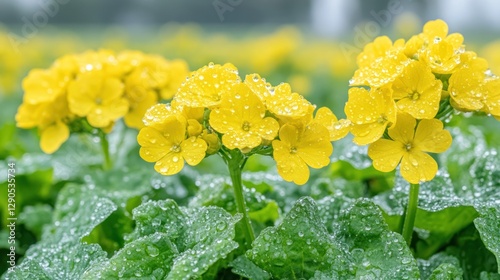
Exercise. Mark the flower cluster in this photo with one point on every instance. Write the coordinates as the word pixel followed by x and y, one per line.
pixel 214 111
pixel 412 85
pixel 93 90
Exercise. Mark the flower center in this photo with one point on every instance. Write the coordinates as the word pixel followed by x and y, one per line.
pixel 293 150
pixel 176 148
pixel 382 119
pixel 98 101
pixel 408 146
pixel 246 126
pixel 414 95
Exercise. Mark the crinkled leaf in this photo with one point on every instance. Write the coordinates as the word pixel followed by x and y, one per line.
pixel 361 246
pixel 329 209
pixel 473 255
pixel 149 257
pixel 202 236
pixel 246 268
pixel 377 252
pixel 58 261
pixel 299 246
pixel 440 266
pixel 488 226
pixel 76 214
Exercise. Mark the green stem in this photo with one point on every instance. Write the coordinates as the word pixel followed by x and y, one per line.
pixel 411 211
pixel 107 164
pixel 236 163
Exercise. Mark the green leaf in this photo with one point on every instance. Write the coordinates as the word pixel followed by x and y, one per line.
pixel 446 271
pixel 149 257
pixel 440 266
pixel 36 217
pixel 488 226
pixel 362 245
pixel 472 253
pixel 246 268
pixel 299 246
pixel 202 236
pixel 489 276
pixel 67 260
pixel 377 252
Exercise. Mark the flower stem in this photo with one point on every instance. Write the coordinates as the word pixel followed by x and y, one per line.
pixel 107 164
pixel 235 164
pixel 411 211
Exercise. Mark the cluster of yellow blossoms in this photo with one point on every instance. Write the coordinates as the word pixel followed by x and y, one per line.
pixel 80 93
pixel 214 111
pixel 412 85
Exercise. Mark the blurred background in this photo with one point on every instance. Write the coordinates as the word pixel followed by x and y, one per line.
pixel 311 44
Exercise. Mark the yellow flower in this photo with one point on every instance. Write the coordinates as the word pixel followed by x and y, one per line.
pixel 338 129
pixel 380 63
pixel 297 149
pixel 101 60
pixel 97 97
pixel 206 86
pixel 418 91
pixel 441 51
pixel 280 100
pixel 408 147
pixel 241 118
pixel 370 112
pixel 178 71
pixel 168 146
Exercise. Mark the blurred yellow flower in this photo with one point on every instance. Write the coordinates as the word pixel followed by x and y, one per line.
pixel 418 91
pixel 408 146
pixel 241 119
pixel 168 146
pixel 53 136
pixel 370 113
pixel 297 149
pixel 97 97
pixel 138 108
pixel 205 86
pixel 43 85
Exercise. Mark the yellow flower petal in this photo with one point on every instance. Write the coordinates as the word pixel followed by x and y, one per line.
pixel 418 167
pixel 314 146
pixel 337 129
pixel 193 150
pixel 290 166
pixel 134 117
pixel 153 144
pixel 404 129
pixel 52 137
pixel 431 137
pixel 386 154
pixel 172 163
